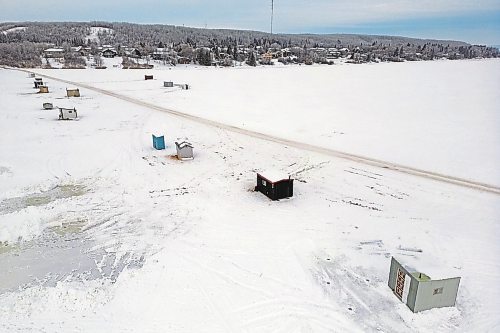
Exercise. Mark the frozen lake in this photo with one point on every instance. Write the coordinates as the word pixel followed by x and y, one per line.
pixel 102 233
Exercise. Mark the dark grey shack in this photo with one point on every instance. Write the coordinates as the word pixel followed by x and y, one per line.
pixel 418 291
pixel 275 187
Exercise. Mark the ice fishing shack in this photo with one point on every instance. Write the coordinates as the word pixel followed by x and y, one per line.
pixel 73 92
pixel 43 89
pixel 418 291
pixel 38 82
pixel 67 114
pixel 184 150
pixel 158 142
pixel 274 184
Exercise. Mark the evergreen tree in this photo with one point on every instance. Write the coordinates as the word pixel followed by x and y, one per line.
pixel 252 61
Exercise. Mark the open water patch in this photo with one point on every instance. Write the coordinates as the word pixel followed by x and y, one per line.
pixel 61 253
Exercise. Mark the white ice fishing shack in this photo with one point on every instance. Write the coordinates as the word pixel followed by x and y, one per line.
pixel 67 114
pixel 418 291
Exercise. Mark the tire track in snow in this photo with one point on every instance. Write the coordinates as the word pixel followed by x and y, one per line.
pixel 295 144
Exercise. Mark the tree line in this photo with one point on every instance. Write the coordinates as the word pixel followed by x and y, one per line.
pixel 23 47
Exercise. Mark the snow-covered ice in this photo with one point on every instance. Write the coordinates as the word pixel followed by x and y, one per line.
pixel 184 246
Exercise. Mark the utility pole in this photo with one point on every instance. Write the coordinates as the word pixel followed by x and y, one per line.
pixel 272 15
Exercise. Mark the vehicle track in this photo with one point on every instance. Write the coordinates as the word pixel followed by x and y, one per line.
pixel 296 144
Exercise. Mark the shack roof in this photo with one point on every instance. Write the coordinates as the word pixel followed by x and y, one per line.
pixel 274 176
pixel 183 144
pixel 437 272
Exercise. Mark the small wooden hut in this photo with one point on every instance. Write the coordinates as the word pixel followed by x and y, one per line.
pixel 73 92
pixel 43 89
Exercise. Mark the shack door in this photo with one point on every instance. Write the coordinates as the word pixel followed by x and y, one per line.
pixel 400 283
pixel 402 286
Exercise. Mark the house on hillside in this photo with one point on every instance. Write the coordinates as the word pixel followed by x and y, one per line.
pixel 78 50
pixel 275 185
pixel 266 58
pixel 109 53
pixel 418 291
pixel 53 53
pixel 183 61
pixel 162 54
pixel 133 53
pixel 333 53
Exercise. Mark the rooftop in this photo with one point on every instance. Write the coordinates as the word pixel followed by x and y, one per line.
pixel 274 175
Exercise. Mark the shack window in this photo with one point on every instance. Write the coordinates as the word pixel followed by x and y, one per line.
pixel 264 182
pixel 438 291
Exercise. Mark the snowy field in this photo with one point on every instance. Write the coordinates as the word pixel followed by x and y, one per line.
pixel 95 31
pixel 17 29
pixel 101 233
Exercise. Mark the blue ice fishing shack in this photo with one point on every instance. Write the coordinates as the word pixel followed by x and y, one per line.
pixel 158 142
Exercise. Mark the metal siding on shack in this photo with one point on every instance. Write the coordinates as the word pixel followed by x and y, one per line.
pixel 436 294
pixel 184 150
pixel 423 293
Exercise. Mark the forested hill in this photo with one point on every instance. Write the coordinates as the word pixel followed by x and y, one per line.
pixel 130 34
pixel 25 44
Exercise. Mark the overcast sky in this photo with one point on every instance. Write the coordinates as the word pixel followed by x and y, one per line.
pixel 474 21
